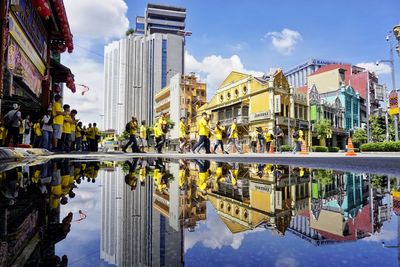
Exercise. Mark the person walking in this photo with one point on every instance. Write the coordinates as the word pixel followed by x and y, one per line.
pixel 12 120
pixel 279 138
pixel 297 141
pixel 27 124
pixel 268 137
pixel 218 134
pixel 73 128
pixel 253 141
pixel 182 135
pixel 158 138
pixel 37 129
pixel 143 136
pixel 261 139
pixel 204 131
pixel 58 121
pixel 47 130
pixel 163 125
pixel 132 136
pixel 234 137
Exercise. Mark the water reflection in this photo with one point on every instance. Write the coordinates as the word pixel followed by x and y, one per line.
pixel 154 212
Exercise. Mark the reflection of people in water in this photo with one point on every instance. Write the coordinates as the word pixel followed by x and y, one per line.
pixel 160 175
pixel 183 173
pixel 143 165
pixel 204 174
pixel 130 178
pixel 219 175
pixel 234 174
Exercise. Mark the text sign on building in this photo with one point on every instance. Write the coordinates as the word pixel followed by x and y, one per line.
pixel 22 40
pixel 260 187
pixel 393 103
pixel 260 116
pixel 379 92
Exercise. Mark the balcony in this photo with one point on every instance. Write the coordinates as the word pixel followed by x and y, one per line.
pixel 240 120
pixel 162 102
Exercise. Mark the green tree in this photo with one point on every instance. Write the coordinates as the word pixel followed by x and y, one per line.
pixel 325 177
pixel 130 32
pixel 323 129
pixel 359 137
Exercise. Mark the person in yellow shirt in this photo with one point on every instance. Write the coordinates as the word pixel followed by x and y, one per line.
pixel 268 138
pixel 66 130
pixel 78 137
pixel 204 131
pixel 158 137
pixel 85 145
pixel 218 131
pixel 234 137
pixel 143 136
pixel 130 178
pixel 96 136
pixel 73 128
pixel 163 130
pixel 21 133
pixel 182 135
pixel 37 129
pixel 132 137
pixel 58 121
pixel 91 135
pixel 204 174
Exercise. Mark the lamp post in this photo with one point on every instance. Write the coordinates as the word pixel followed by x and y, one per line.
pixel 391 61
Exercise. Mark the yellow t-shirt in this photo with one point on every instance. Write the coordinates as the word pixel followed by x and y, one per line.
pixel 58 119
pixel 21 129
pixel 143 132
pixel 162 122
pixel 181 177
pixel 157 130
pixel 182 130
pixel 234 132
pixel 67 124
pixel 133 128
pixel 267 137
pixel 36 128
pixel 218 132
pixel 2 132
pixel 78 132
pixel 202 181
pixel 73 127
pixel 203 124
pixel 91 134
pixel 84 137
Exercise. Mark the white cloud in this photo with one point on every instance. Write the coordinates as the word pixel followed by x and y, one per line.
pixel 214 69
pixel 97 19
pixel 216 235
pixel 93 23
pixel 382 68
pixel 383 236
pixel 284 41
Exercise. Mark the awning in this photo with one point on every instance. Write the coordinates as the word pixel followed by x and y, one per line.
pixel 62 74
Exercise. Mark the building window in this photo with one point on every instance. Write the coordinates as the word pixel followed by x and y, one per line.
pixel 164 64
pixel 296 112
pixel 244 90
pixel 305 113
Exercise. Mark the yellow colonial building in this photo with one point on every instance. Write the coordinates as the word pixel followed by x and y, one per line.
pixel 264 102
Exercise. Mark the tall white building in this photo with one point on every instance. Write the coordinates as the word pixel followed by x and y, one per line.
pixel 141 64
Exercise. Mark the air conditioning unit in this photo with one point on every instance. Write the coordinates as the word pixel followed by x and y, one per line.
pixel 15 6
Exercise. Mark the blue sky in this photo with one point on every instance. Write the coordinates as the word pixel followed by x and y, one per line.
pixel 238 35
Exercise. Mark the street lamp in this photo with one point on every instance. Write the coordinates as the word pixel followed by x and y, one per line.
pixel 389 39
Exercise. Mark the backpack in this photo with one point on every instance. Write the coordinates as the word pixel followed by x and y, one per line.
pixel 296 134
pixel 128 127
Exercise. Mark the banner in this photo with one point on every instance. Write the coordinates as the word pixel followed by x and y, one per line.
pixel 393 103
pixel 20 65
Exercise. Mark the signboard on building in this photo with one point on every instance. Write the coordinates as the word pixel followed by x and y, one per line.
pixel 267 188
pixel 393 103
pixel 380 91
pixel 260 116
pixel 33 27
pixel 20 65
pixel 22 40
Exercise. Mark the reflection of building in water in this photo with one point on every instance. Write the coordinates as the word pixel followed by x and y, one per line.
pixel 134 231
pixel 265 196
pixel 341 209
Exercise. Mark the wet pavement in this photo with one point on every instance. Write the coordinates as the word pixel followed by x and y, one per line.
pixel 157 212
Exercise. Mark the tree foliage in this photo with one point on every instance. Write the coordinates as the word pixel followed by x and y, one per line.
pixel 323 128
pixel 129 32
pixel 359 136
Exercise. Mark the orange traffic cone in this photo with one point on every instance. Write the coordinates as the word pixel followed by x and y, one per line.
pixel 304 149
pixel 271 148
pixel 350 148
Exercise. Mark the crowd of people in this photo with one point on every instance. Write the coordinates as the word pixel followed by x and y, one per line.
pixel 57 130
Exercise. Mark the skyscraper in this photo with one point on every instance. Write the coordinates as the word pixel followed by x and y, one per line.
pixel 141 64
